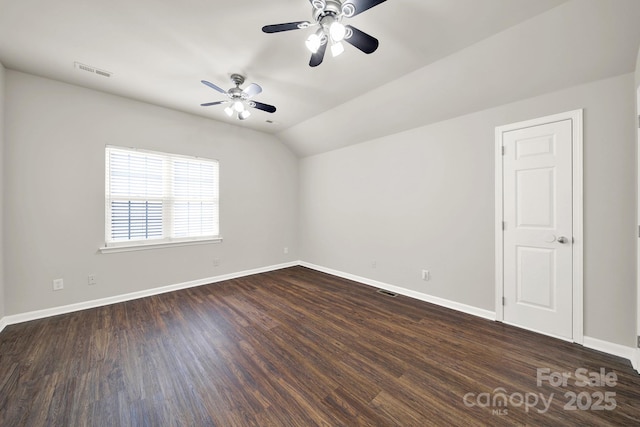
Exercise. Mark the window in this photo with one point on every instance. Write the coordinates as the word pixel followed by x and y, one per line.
pixel 157 198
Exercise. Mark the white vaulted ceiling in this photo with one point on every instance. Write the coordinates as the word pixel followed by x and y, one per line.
pixel 437 58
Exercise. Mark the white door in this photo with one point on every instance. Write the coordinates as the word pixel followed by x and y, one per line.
pixel 538 229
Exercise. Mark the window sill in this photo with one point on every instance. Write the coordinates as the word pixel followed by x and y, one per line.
pixel 160 245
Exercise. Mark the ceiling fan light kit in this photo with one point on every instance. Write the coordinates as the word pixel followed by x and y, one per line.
pixel 328 16
pixel 314 41
pixel 239 100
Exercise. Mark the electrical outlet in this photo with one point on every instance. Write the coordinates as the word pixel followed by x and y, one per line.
pixel 286 250
pixel 374 264
pixel 58 284
pixel 216 262
pixel 426 275
pixel 91 280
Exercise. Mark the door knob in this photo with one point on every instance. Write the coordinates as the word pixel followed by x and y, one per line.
pixel 563 239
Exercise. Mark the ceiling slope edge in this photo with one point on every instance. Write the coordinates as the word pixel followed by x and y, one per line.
pixel 576 43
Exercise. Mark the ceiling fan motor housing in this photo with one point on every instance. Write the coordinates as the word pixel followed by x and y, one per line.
pixel 237 79
pixel 322 8
pixel 331 8
pixel 236 92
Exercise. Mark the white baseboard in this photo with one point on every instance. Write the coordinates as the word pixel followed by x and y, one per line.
pixel 486 314
pixel 612 348
pixel 39 314
pixel 630 353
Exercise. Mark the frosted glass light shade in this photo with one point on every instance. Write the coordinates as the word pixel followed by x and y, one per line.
pixel 313 42
pixel 337 49
pixel 337 31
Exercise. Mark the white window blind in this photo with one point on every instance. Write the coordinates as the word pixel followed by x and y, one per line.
pixel 156 197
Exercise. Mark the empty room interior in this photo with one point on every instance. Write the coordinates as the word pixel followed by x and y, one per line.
pixel 319 212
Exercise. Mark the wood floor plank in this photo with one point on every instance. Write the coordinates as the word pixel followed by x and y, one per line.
pixel 294 347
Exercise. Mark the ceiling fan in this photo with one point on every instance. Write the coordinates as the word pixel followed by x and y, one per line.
pixel 239 99
pixel 328 16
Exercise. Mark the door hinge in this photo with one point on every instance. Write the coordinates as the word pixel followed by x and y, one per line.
pixel 504 302
pixel 638 342
pixel 639 231
pixel 504 225
pixel 639 121
pixel 503 150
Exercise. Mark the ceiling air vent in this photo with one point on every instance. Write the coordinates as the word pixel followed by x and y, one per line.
pixel 93 70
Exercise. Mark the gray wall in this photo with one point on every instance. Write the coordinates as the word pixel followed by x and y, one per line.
pixel 54 194
pixel 2 168
pixel 638 69
pixel 424 199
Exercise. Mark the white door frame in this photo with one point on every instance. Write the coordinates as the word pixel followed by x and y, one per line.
pixel 636 361
pixel 578 244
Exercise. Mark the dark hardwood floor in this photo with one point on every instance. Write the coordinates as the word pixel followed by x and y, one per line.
pixel 297 347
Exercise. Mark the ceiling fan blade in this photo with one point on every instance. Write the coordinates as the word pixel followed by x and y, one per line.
pixel 361 40
pixel 276 28
pixel 354 7
pixel 213 103
pixel 252 90
pixel 264 107
pixel 212 86
pixel 316 58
